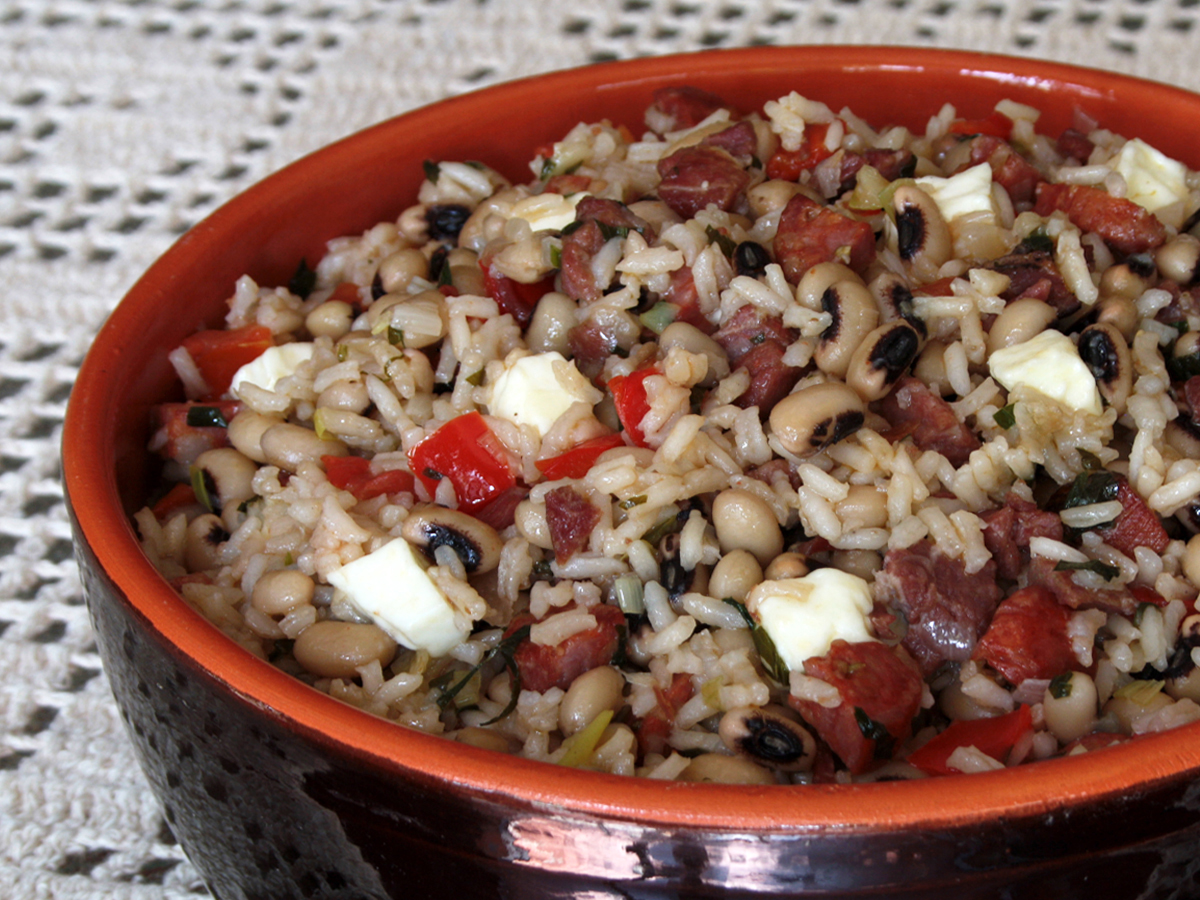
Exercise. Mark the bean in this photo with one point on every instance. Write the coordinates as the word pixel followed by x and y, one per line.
pixel 864 506
pixel 931 367
pixel 549 329
pixel 892 296
pixel 1179 259
pixel 486 223
pixel 813 418
pixel 1126 710
pixel 202 542
pixel 475 542
pixel 1129 279
pixel 820 278
pixel 288 446
pixel 589 695
pixel 278 592
pixel 786 565
pixel 1070 706
pixel 246 430
pixel 530 520
pixel 1020 320
pixel 1121 313
pixel 228 474
pixel 419 318
pixel 855 315
pixel 345 394
pixel 1103 348
pixel 768 736
pixel 744 521
pixel 413 224
pixel 400 268
pixel 722 769
pixel 884 355
pixel 863 563
pixel 771 196
pixel 468 280
pixel 483 738
pixel 690 338
pixel 333 649
pixel 1191 560
pixel 923 238
pixel 330 319
pixel 734 575
pixel 1185 687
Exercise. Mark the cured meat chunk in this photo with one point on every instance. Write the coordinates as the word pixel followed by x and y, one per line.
pixel 600 220
pixel 880 696
pixel 757 343
pixel 696 177
pixel 1007 531
pixel 810 233
pixel 1035 274
pixel 1125 226
pixel 1074 144
pixel 1028 637
pixel 1073 595
pixel 1137 525
pixel 1014 173
pixel 912 408
pixel 570 517
pixel 683 107
pixel 739 141
pixel 543 666
pixel 947 609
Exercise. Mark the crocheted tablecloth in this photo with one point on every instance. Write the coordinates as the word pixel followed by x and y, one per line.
pixel 124 123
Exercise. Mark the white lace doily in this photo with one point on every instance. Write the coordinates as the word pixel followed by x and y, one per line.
pixel 124 123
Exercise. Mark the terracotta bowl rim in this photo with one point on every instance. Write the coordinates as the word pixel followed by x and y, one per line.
pixel 103 526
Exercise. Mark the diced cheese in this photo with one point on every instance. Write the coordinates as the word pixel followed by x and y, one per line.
pixel 970 191
pixel 548 211
pixel 804 616
pixel 536 390
pixel 392 587
pixel 1152 179
pixel 1050 363
pixel 274 363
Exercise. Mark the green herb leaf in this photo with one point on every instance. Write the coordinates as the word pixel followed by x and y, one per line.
pixel 1104 570
pixel 1037 241
pixel 1004 416
pixel 445 277
pixel 475 379
pixel 874 731
pixel 608 232
pixel 1181 368
pixel 432 171
pixel 1060 686
pixel 1092 487
pixel 726 243
pixel 343 352
pixel 395 336
pixel 768 653
pixel 205 417
pixel 303 280
pixel 637 500
pixel 556 256
pixel 201 487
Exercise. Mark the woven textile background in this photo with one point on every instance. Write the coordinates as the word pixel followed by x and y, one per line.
pixel 124 123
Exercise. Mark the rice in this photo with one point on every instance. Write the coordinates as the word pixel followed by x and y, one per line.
pixel 533 396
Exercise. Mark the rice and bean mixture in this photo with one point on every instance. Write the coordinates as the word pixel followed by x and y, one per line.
pixel 761 446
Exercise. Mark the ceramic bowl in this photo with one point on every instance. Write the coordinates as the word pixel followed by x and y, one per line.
pixel 275 790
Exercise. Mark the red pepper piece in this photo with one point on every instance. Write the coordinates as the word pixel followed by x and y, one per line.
pixel 655 727
pixel 995 737
pixel 788 164
pixel 218 354
pixel 465 451
pixel 514 297
pixel 995 124
pixel 629 396
pixel 574 463
pixel 178 497
pixel 353 474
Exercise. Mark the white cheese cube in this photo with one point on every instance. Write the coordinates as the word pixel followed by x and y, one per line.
pixel 1152 179
pixel 535 390
pixel 274 363
pixel 970 191
pixel 1048 362
pixel 549 211
pixel 392 587
pixel 804 616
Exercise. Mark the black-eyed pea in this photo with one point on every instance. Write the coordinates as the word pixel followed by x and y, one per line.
pixel 820 278
pixel 893 297
pixel 721 769
pixel 330 319
pixel 278 592
pixel 289 446
pixel 593 692
pixel 789 564
pixel 771 196
pixel 815 417
pixel 414 224
pixel 484 739
pixel 228 476
pixel 1183 441
pixel 246 430
pixel 345 394
pixel 656 214
pixel 931 367
pixel 1191 560
pixel 202 542
pixel 744 521
pixel 473 541
pixel 734 575
pixel 333 649
pixel 923 238
pixel 419 320
pixel 690 338
pixel 769 736
pixel 882 358
pixel 1018 322
pixel 861 562
pixel 530 520
pixel 1121 313
pixel 398 270
pixel 1179 259
pixel 864 506
pixel 1129 279
pixel 855 316
pixel 1103 348
pixel 553 318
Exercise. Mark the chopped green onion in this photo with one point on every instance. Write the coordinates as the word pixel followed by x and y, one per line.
pixel 661 529
pixel 637 500
pixel 628 590
pixel 1140 692
pixel 343 352
pixel 1060 686
pixel 318 421
pixel 659 316
pixel 206 417
pixel 723 241
pixel 395 336
pixel 1181 368
pixel 1005 417
pixel 1104 570
pixel 874 731
pixel 475 379
pixel 711 691
pixel 288 559
pixel 1037 241
pixel 768 653
pixel 556 256
pixel 200 487
pixel 581 745
pixel 608 232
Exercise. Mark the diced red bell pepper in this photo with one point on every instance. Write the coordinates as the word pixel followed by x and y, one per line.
pixel 995 124
pixel 347 292
pixel 629 396
pixel 218 354
pixel 465 451
pixel 353 474
pixel 574 463
pixel 178 497
pixel 788 164
pixel 655 727
pixel 514 297
pixel 995 737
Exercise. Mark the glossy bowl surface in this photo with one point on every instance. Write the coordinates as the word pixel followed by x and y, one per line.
pixel 276 790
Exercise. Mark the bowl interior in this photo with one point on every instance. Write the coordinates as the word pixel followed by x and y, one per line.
pixel 374 175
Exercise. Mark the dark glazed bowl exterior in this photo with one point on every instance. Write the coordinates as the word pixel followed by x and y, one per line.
pixel 277 791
